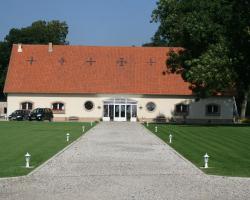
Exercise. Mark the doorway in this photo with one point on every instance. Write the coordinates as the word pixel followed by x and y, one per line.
pixel 120 110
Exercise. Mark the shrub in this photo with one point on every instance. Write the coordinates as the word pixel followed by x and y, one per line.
pixel 160 119
pixel 245 121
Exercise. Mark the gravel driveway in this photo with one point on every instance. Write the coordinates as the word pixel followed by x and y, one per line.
pixel 121 161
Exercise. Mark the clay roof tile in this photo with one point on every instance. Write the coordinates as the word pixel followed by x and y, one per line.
pixel 89 69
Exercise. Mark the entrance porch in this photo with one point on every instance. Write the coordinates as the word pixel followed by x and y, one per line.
pixel 120 109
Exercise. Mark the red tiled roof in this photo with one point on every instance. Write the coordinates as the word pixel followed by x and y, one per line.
pixel 74 75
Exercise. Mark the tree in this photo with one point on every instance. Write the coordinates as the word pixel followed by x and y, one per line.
pixel 5 51
pixel 40 32
pixel 215 39
pixel 239 37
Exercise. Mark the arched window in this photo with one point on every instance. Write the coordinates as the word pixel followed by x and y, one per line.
pixel 58 107
pixel 181 109
pixel 212 109
pixel 27 105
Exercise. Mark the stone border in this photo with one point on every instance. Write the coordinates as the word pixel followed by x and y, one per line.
pixel 174 151
pixel 182 157
pixel 59 153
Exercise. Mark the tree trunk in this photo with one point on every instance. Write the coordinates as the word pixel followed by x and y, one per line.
pixel 244 106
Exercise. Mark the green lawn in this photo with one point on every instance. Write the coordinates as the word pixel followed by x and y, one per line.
pixel 227 146
pixel 41 139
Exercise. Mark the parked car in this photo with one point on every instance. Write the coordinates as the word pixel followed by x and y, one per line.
pixel 41 114
pixel 19 115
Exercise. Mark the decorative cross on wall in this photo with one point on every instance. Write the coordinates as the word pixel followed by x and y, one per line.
pixel 61 61
pixel 31 60
pixel 121 62
pixel 151 61
pixel 90 61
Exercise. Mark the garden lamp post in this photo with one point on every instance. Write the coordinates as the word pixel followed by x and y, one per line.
pixel 156 129
pixel 91 123
pixel 83 129
pixel 147 123
pixel 170 138
pixel 27 159
pixel 206 160
pixel 67 137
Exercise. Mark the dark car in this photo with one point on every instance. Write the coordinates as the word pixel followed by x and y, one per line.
pixel 41 114
pixel 19 115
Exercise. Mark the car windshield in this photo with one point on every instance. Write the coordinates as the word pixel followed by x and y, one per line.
pixel 18 112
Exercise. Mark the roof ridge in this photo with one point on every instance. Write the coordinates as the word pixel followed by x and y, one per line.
pixel 96 46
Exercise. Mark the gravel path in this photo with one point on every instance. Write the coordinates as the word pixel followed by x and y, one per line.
pixel 121 161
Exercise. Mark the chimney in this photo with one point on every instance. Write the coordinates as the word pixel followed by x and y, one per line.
pixel 50 47
pixel 19 48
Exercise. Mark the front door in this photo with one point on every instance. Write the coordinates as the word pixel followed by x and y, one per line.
pixel 120 110
pixel 120 113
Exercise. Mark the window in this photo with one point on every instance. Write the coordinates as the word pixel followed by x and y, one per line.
pixel 181 108
pixel 134 111
pixel 122 110
pixel 212 109
pixel 26 106
pixel 5 110
pixel 150 106
pixel 58 107
pixel 88 105
pixel 106 110
pixel 116 110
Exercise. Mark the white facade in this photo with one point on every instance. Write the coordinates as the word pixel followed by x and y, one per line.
pixel 74 107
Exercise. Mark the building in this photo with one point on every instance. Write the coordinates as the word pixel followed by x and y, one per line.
pixel 106 83
pixel 3 109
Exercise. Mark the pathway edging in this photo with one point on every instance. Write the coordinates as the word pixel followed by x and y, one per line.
pixel 59 153
pixel 44 163
pixel 174 151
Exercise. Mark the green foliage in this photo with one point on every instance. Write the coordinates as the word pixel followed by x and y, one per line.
pixel 227 146
pixel 212 67
pixel 40 32
pixel 4 60
pixel 41 139
pixel 215 37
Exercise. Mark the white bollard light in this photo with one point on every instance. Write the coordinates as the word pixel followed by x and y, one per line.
pixel 206 160
pixel 156 129
pixel 27 159
pixel 147 123
pixel 91 123
pixel 170 138
pixel 67 137
pixel 83 129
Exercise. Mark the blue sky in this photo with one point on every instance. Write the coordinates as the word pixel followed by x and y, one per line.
pixel 91 22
